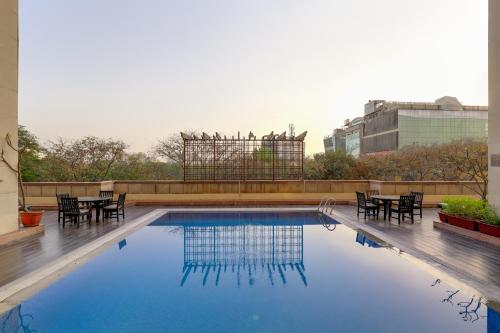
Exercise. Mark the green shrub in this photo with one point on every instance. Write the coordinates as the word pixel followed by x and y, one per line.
pixel 490 215
pixel 465 207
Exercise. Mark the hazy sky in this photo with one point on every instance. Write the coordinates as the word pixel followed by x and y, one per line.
pixel 140 70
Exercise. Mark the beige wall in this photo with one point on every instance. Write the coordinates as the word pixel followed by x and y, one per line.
pixel 42 194
pixel 8 110
pixel 494 99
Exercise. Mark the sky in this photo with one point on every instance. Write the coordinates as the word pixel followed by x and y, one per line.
pixel 143 70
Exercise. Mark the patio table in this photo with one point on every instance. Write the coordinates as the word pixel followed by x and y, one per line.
pixel 97 203
pixel 387 201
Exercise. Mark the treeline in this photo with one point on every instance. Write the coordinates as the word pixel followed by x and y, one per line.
pixel 459 160
pixel 95 159
pixel 91 159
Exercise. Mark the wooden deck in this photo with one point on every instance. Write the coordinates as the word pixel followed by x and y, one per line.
pixel 19 259
pixel 474 260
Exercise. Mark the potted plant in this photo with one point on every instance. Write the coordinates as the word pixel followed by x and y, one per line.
pixel 26 143
pixel 464 212
pixel 443 217
pixel 490 224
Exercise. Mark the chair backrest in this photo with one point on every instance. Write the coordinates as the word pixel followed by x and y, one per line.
pixel 70 205
pixel 361 198
pixel 106 194
pixel 371 193
pixel 121 200
pixel 419 197
pixel 406 202
pixel 58 197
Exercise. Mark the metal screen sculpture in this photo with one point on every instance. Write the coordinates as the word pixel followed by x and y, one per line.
pixel 274 157
pixel 245 251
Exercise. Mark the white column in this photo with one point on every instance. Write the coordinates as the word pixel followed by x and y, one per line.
pixel 494 102
pixel 8 111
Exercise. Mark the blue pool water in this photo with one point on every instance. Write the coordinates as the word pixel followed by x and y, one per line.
pixel 250 272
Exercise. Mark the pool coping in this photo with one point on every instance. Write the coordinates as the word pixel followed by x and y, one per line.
pixel 24 287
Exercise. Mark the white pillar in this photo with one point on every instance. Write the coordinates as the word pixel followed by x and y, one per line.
pixel 494 102
pixel 8 111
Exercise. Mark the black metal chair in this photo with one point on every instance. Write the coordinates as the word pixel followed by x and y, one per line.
pixel 72 210
pixel 116 208
pixel 405 206
pixel 366 207
pixel 60 211
pixel 419 199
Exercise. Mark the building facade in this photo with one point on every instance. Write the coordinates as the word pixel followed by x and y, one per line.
pixel 8 113
pixel 353 132
pixel 335 141
pixel 390 126
pixel 494 104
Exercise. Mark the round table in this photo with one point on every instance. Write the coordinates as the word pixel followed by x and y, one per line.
pixel 387 201
pixel 97 203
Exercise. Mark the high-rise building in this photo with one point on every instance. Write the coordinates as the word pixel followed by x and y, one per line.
pixel 390 126
pixel 335 141
pixel 353 132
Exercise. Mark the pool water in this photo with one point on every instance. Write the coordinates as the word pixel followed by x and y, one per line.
pixel 250 272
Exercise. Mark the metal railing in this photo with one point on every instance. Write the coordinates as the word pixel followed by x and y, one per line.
pixel 325 204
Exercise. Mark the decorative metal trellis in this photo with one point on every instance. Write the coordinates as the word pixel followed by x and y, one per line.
pixel 253 249
pixel 274 157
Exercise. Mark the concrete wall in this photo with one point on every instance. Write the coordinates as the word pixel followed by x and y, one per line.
pixel 242 193
pixel 8 111
pixel 494 100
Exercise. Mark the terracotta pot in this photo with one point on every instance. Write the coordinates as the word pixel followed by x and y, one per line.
pixel 461 222
pixel 489 229
pixel 443 217
pixel 31 219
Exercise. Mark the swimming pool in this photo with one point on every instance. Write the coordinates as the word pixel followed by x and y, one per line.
pixel 250 272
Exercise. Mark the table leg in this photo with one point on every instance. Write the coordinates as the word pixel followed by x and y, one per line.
pixel 387 205
pixel 97 212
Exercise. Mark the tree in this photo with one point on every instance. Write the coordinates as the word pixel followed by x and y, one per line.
pixel 27 149
pixel 470 160
pixel 172 147
pixel 30 155
pixel 330 165
pixel 87 159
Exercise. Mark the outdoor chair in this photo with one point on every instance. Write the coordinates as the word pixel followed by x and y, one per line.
pixel 419 198
pixel 72 210
pixel 366 207
pixel 60 211
pixel 107 194
pixel 370 194
pixel 116 208
pixel 405 206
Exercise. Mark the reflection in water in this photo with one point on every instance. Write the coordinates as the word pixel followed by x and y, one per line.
pixel 470 309
pixel 243 250
pixel 469 312
pixel 14 321
pixel 364 239
pixel 122 243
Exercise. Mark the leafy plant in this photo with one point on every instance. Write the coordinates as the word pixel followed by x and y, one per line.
pixel 490 215
pixel 465 207
pixel 475 209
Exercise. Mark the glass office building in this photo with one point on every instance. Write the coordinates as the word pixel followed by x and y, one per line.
pixel 426 127
pixel 390 126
